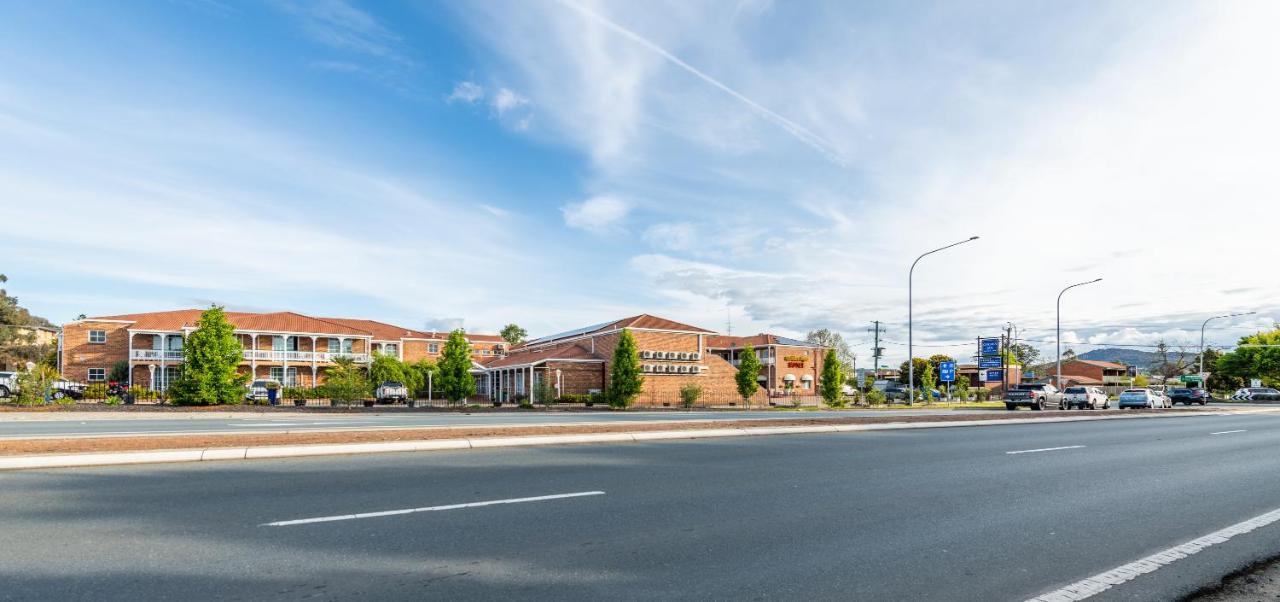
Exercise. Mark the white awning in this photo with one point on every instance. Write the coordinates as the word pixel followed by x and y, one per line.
pixel 807 377
pixel 789 377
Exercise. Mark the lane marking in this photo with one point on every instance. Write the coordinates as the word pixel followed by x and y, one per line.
pixel 269 424
pixel 1101 582
pixel 1229 432
pixel 519 500
pixel 1043 449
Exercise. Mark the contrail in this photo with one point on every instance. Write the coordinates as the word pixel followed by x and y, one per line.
pixel 811 139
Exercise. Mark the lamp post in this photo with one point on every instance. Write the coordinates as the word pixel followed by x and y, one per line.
pixel 1058 338
pixel 1206 323
pixel 911 365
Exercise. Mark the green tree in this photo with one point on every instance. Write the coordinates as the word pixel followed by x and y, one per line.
pixel 346 381
pixel 425 375
pixel 748 374
pixel 832 379
pixel 544 391
pixel 689 394
pixel 513 334
pixel 920 363
pixel 455 380
pixel 625 380
pixel 831 339
pixel 119 372
pixel 1251 360
pixel 34 385
pixel 962 386
pixel 210 356
pixel 385 368
pixel 1141 380
pixel 928 382
pixel 1025 354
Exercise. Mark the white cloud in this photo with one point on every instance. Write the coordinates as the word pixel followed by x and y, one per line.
pixel 339 24
pixel 468 92
pixel 673 236
pixel 597 214
pixel 506 100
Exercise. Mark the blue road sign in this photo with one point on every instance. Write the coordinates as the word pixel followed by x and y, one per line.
pixel 994 375
pixel 989 347
pixel 989 362
pixel 947 372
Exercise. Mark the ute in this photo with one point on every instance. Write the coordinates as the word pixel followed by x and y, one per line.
pixel 391 392
pixel 1036 397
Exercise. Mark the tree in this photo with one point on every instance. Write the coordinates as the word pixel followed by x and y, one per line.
pixel 748 374
pixel 831 339
pixel 34 385
pixel 1068 355
pixel 119 372
pixel 455 380
pixel 1166 366
pixel 928 382
pixel 385 368
pixel 425 375
pixel 962 386
pixel 1219 380
pixel 1141 380
pixel 832 380
pixel 18 347
pixel 689 394
pixel 1027 355
pixel 513 334
pixel 346 381
pixel 920 363
pixel 209 359
pixel 1249 360
pixel 625 380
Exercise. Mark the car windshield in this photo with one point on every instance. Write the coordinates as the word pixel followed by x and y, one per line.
pixel 392 383
pixel 1076 390
pixel 1136 391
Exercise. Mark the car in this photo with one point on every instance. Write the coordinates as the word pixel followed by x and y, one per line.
pixel 1139 398
pixel 391 391
pixel 1257 394
pixel 8 383
pixel 1162 395
pixel 257 390
pixel 1035 396
pixel 60 389
pixel 1086 398
pixel 1188 396
pixel 894 392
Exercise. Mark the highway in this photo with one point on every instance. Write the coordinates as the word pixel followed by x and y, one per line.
pixel 141 424
pixel 972 513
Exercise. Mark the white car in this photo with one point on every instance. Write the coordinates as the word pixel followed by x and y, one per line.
pixel 1086 398
pixel 8 383
pixel 1142 398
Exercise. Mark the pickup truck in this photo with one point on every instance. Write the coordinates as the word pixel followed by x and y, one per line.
pixel 391 391
pixel 8 383
pixel 1036 397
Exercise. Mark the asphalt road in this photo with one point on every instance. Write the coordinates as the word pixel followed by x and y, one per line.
pixel 938 514
pixel 141 425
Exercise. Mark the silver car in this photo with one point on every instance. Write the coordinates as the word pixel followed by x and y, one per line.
pixel 1086 398
pixel 1140 398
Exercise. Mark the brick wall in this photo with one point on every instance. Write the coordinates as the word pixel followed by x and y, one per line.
pixel 576 378
pixel 78 354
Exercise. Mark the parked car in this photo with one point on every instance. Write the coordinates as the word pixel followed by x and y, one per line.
pixel 1257 394
pixel 1036 397
pixel 1086 398
pixel 8 383
pixel 65 388
pixel 1140 398
pixel 1188 396
pixel 257 390
pixel 391 391
pixel 895 392
pixel 1162 395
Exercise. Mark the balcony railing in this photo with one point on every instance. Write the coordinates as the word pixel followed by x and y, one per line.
pixel 306 357
pixel 156 355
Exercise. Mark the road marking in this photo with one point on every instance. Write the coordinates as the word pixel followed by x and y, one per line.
pixel 1043 449
pixel 1229 432
pixel 1103 581
pixel 269 424
pixel 519 500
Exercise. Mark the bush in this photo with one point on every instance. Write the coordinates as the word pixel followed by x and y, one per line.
pixel 596 398
pixel 875 397
pixel 983 394
pixel 575 398
pixel 112 401
pixel 95 391
pixel 689 394
pixel 141 393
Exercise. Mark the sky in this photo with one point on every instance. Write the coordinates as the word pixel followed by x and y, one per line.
pixel 748 165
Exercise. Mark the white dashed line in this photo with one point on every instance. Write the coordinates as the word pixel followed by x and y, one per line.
pixel 519 500
pixel 1103 581
pixel 1229 432
pixel 1043 449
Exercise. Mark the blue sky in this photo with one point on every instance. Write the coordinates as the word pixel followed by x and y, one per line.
pixel 560 163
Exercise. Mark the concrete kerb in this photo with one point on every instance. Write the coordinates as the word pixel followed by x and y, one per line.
pixel 288 451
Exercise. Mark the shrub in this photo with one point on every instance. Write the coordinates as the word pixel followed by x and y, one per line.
pixel 983 394
pixel 141 393
pixel 95 391
pixel 689 394
pixel 875 397
pixel 575 398
pixel 112 401
pixel 596 398
pixel 34 384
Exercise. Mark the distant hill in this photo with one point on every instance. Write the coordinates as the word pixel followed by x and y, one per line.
pixel 1130 357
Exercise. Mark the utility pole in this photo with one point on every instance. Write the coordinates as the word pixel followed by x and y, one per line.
pixel 876 351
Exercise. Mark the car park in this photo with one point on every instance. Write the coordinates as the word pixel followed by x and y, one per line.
pixel 1257 394
pixel 1086 398
pixel 1188 396
pixel 1139 398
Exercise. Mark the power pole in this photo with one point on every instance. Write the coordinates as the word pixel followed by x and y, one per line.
pixel 876 351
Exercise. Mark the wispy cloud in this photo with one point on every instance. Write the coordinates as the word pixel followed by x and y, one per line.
pixel 467 92
pixel 597 214
pixel 506 100
pixel 339 24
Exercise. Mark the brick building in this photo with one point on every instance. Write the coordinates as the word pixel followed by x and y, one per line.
pixel 1089 372
pixel 579 361
pixel 788 366
pixel 292 348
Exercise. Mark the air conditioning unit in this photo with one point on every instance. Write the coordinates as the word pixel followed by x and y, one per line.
pixel 695 356
pixel 684 355
pixel 646 367
pixel 659 369
pixel 646 355
pixel 684 369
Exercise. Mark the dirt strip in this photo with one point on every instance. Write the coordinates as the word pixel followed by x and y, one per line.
pixel 189 441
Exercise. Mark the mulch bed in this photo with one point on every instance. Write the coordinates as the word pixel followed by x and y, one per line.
pixel 196 441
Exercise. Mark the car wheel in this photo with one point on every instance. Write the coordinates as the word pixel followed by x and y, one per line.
pixel 1010 407
pixel 59 394
pixel 4 391
pixel 1106 405
pixel 1202 402
pixel 1037 405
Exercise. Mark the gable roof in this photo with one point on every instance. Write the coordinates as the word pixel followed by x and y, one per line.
pixel 563 351
pixel 285 321
pixel 645 321
pixel 1102 364
pixel 722 341
pixel 381 330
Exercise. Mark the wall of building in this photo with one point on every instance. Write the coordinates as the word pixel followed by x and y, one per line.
pixel 78 354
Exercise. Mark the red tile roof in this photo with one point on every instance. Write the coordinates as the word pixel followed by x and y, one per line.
pixel 286 321
pixel 652 322
pixel 565 351
pixel 1102 364
pixel 723 341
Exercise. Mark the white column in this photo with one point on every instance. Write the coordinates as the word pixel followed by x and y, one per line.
pixel 164 343
pixel 131 357
pixel 313 360
pixel 284 357
pixel 253 356
pixel 151 373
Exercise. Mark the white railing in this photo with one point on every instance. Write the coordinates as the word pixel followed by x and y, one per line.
pixel 156 355
pixel 302 356
pixel 764 361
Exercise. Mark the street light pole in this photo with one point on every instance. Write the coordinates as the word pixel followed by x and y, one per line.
pixel 1058 338
pixel 911 365
pixel 1206 323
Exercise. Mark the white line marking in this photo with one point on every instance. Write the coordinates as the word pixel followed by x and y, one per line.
pixel 1043 449
pixel 1103 581
pixel 269 424
pixel 1229 432
pixel 519 500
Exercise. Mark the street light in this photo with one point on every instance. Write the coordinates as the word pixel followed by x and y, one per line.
pixel 911 365
pixel 1206 323
pixel 1058 382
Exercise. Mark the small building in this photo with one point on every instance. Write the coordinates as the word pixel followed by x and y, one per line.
pixel 1089 373
pixel 787 365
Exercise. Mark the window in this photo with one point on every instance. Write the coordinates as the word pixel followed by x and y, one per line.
pixel 433 348
pixel 340 346
pixel 390 349
pixel 97 375
pixel 287 379
pixel 97 336
pixel 284 343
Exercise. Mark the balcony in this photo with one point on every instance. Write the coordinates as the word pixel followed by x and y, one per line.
pixel 302 357
pixel 155 355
